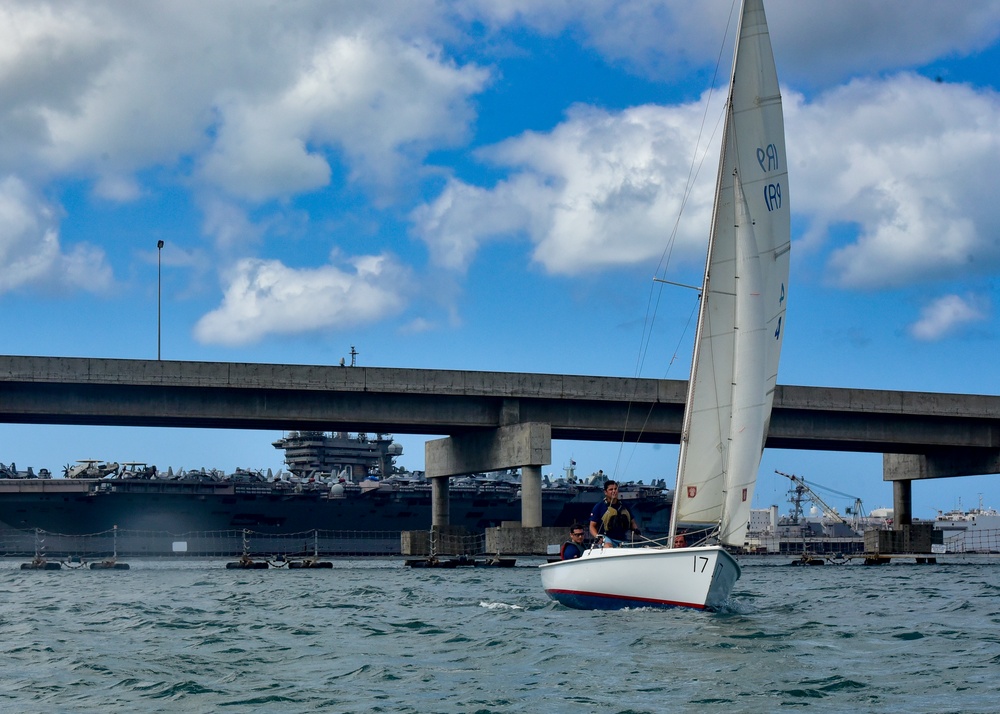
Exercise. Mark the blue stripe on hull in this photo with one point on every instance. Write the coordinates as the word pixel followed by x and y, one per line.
pixel 601 601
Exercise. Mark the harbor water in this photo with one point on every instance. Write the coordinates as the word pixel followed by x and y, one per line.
pixel 370 635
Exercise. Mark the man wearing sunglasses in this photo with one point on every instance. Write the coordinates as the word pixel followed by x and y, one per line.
pixel 573 548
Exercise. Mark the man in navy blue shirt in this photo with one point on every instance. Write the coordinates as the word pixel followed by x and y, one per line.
pixel 610 518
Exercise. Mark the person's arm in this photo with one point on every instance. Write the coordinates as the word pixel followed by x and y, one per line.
pixel 595 517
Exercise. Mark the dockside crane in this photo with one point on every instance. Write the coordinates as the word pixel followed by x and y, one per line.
pixel 802 488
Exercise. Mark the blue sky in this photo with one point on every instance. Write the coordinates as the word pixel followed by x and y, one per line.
pixel 488 185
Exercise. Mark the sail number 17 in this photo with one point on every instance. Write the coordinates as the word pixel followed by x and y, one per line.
pixel 703 561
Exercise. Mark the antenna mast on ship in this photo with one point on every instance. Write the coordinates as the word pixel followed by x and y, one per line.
pixel 354 358
pixel 570 471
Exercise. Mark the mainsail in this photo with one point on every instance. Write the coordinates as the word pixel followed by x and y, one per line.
pixel 741 317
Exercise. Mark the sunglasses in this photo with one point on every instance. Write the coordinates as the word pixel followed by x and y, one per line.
pixel 576 534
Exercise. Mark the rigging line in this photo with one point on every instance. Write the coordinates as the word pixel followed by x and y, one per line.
pixel 694 170
pixel 628 413
pixel 693 174
pixel 649 411
pixel 673 358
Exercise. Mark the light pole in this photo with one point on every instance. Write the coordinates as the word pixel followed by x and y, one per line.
pixel 159 292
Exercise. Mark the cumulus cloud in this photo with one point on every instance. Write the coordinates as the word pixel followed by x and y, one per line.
pixel 266 297
pixel 816 41
pixel 906 161
pixel 909 162
pixel 601 189
pixel 417 326
pixel 381 101
pixel 258 102
pixel 30 251
pixel 821 43
pixel 946 315
pixel 252 101
pixel 229 225
pixel 105 90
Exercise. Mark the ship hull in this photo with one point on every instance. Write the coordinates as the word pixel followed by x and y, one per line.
pixel 86 506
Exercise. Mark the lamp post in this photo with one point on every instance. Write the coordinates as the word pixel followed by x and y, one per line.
pixel 159 292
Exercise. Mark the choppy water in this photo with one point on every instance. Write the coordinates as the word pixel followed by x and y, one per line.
pixel 374 636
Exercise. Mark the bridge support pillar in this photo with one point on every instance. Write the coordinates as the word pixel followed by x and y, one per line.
pixel 902 504
pixel 439 501
pixel 531 496
pixel 901 469
pixel 525 446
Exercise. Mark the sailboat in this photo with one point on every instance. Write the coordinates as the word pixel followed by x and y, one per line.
pixel 733 372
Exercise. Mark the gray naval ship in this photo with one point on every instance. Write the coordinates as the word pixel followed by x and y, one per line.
pixel 335 481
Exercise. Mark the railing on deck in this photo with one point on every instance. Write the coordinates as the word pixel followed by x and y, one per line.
pixel 128 543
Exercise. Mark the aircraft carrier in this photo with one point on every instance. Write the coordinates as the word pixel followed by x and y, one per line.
pixel 344 482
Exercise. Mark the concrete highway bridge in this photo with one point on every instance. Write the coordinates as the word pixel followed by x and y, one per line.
pixel 494 420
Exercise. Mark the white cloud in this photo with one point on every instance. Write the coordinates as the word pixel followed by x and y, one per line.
pixel 816 41
pixel 822 43
pixel 262 101
pixel 105 90
pixel 263 94
pixel 417 326
pixel 910 163
pixel 906 160
pixel 229 225
pixel 946 315
pixel 601 189
pixel 259 101
pixel 266 297
pixel 116 187
pixel 465 216
pixel 382 102
pixel 30 252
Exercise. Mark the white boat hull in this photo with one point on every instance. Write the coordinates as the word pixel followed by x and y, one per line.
pixel 616 578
